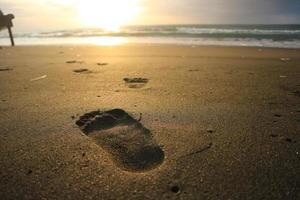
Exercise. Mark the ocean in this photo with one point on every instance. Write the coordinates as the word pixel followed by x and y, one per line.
pixel 278 36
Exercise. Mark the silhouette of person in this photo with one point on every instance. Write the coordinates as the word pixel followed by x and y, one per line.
pixel 6 22
pixel 1 20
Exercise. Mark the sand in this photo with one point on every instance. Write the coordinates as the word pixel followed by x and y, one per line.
pixel 225 122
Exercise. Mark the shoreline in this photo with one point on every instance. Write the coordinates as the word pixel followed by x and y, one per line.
pixel 161 50
pixel 153 45
pixel 150 44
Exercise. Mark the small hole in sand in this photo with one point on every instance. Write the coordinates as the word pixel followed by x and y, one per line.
pixel 175 189
pixel 274 135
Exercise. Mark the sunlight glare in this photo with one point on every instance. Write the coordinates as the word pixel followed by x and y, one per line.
pixel 107 14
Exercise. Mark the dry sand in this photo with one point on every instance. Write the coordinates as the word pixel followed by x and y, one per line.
pixel 226 119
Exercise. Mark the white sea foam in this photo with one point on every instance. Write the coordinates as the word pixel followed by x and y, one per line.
pixel 104 41
pixel 283 36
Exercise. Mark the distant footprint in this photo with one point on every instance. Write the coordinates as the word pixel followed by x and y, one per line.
pixel 136 82
pixel 82 71
pixel 194 70
pixel 283 138
pixel 130 144
pixel 102 64
pixel 292 90
pixel 2 69
pixel 74 62
pixel 297 93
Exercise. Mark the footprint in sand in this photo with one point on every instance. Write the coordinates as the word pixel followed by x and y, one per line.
pixel 82 71
pixel 194 70
pixel 136 82
pixel 292 90
pixel 2 69
pixel 297 93
pixel 283 138
pixel 74 62
pixel 102 64
pixel 130 144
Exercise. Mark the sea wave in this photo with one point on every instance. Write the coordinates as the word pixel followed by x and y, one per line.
pixel 241 35
pixel 103 41
pixel 193 30
pixel 277 33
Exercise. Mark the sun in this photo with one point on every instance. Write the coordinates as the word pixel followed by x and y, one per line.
pixel 107 14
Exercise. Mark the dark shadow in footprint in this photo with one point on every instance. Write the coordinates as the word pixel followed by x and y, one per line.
pixel 283 138
pixel 292 90
pixel 2 69
pixel 81 71
pixel 74 62
pixel 194 70
pixel 136 82
pixel 102 64
pixel 130 144
pixel 297 93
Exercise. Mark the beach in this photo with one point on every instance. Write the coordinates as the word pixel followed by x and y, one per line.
pixel 226 121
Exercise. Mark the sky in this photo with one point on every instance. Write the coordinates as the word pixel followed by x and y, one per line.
pixel 65 14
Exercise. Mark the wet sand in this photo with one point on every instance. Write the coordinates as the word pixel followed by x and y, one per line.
pixel 192 122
